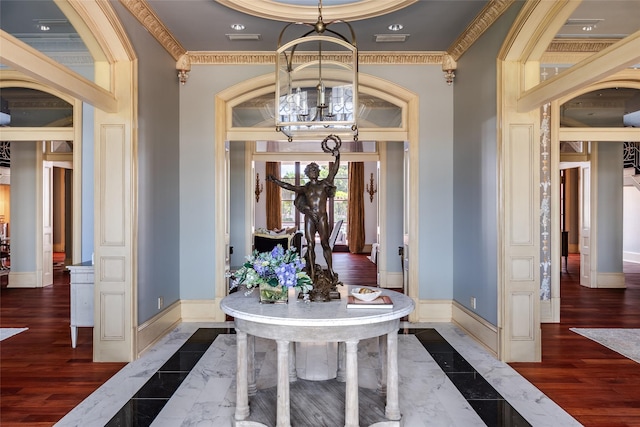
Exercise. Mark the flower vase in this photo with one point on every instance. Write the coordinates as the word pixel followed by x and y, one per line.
pixel 273 294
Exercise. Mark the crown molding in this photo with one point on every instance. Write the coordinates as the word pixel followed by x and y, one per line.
pixel 147 17
pixel 368 58
pixel 487 16
pixel 286 12
pixel 580 45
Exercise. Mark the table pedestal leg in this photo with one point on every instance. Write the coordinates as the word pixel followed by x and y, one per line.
pixel 283 406
pixel 293 373
pixel 382 359
pixel 351 417
pixel 341 375
pixel 242 396
pixel 392 411
pixel 252 389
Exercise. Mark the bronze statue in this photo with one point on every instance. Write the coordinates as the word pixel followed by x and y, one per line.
pixel 311 200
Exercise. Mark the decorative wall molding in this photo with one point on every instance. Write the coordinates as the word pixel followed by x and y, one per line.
pixel 487 16
pixel 147 17
pixel 579 45
pixel 261 58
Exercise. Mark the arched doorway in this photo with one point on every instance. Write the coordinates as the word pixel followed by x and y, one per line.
pixel 260 86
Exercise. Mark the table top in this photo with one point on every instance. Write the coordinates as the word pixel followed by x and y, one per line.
pixel 299 312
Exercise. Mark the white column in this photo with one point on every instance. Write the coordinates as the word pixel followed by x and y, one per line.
pixel 283 405
pixel 242 395
pixel 382 360
pixel 392 411
pixel 340 373
pixel 251 365
pixel 293 374
pixel 351 418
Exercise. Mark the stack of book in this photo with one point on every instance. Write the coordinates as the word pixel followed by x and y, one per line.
pixel 383 301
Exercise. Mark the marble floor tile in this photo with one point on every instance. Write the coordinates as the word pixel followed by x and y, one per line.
pixel 429 395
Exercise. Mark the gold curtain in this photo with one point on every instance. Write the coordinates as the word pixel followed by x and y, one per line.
pixel 274 197
pixel 355 216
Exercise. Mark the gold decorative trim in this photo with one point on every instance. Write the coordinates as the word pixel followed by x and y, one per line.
pixel 279 11
pixel 580 45
pixel 237 58
pixel 487 16
pixel 147 17
pixel 563 57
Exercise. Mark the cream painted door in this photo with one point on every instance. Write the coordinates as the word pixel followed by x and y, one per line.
pixel 585 225
pixel 47 223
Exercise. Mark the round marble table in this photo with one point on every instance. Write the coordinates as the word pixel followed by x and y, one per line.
pixel 332 321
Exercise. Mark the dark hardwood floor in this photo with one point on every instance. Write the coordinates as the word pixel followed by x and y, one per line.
pixel 42 377
pixel 598 386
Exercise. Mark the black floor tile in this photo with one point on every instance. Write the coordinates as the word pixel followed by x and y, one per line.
pixel 182 361
pixel 137 413
pixel 452 362
pixel 161 385
pixel 473 386
pixel 498 413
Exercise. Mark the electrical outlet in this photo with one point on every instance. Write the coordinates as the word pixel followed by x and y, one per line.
pixel 473 303
pixel 160 302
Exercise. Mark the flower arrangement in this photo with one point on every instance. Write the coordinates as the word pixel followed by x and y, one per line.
pixel 275 269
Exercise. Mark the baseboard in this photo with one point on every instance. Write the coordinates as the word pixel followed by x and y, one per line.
pixel 610 280
pixel 434 311
pixel 631 257
pixel 481 330
pixel 202 311
pixel 23 280
pixel 391 279
pixel 547 311
pixel 157 327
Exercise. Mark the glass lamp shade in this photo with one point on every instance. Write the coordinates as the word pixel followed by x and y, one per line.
pixel 316 87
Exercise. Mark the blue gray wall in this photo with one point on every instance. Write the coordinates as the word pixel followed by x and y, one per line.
pixel 237 212
pixel 610 211
pixel 158 171
pixel 435 173
pixel 23 206
pixel 87 183
pixel 395 200
pixel 475 167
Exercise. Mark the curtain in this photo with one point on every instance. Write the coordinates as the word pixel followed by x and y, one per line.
pixel 355 215
pixel 274 197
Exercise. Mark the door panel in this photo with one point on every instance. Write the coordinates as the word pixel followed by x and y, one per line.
pixel 585 226
pixel 47 223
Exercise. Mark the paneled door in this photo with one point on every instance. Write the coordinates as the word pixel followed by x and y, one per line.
pixel 585 225
pixel 47 223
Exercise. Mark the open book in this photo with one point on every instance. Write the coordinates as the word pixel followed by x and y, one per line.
pixel 382 301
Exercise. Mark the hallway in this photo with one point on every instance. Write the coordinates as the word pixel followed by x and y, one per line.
pixel 43 378
pixel 596 385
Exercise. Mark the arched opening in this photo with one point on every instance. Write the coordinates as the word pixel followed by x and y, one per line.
pixel 263 86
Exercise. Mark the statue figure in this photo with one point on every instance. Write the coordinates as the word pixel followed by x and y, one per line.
pixel 311 200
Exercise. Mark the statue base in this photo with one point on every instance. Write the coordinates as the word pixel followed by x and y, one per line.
pixel 324 287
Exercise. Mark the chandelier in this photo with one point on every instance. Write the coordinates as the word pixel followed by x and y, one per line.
pixel 317 82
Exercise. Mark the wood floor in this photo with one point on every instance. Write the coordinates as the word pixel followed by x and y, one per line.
pixel 599 387
pixel 42 377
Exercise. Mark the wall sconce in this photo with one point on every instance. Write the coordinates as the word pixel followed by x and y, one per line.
pixel 183 65
pixel 449 65
pixel 259 188
pixel 371 189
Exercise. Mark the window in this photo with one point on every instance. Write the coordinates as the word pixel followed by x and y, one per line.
pixel 293 173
